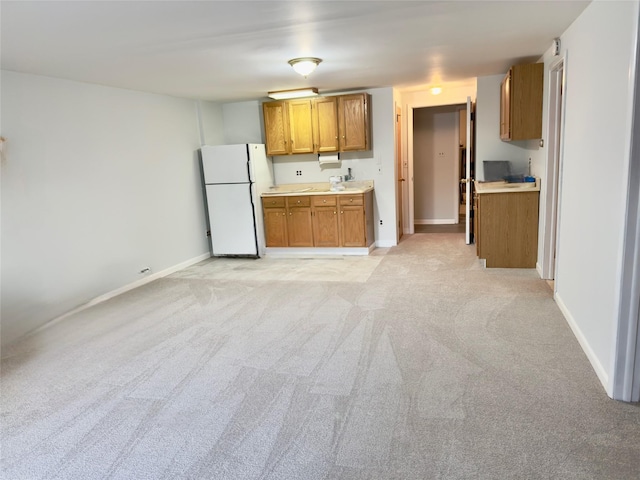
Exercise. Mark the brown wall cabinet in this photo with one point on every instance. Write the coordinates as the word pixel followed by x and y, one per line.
pixel 319 125
pixel 507 229
pixel 521 103
pixel 319 220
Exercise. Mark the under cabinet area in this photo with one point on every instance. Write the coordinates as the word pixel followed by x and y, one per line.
pixel 521 103
pixel 317 125
pixel 327 220
pixel 506 226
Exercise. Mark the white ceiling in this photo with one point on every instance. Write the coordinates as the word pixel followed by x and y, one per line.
pixel 238 50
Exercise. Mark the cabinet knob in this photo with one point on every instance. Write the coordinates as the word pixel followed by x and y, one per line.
pixel 298 201
pixel 283 214
pixel 290 213
pixel 324 201
pixel 334 213
pixel 341 212
pixel 351 199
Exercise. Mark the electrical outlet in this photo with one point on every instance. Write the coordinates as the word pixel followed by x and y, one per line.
pixel 298 172
pixel 380 222
pixel 441 154
pixel 144 270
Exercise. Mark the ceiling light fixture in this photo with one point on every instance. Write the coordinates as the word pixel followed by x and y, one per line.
pixel 297 93
pixel 305 65
pixel 436 90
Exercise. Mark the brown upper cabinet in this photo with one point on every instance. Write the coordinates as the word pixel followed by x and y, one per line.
pixel 353 122
pixel 319 125
pixel 521 103
pixel 276 127
pixel 325 122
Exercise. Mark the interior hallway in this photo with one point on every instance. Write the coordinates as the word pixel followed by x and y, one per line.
pixel 411 363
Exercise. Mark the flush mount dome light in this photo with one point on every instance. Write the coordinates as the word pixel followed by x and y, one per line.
pixel 305 65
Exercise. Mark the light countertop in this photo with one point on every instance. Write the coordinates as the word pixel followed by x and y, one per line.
pixel 320 188
pixel 505 187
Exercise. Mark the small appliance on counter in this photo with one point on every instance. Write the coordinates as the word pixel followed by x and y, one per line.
pixel 234 176
pixel 335 183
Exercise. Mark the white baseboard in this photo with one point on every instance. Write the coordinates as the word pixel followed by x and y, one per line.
pixel 436 221
pixel 312 251
pixel 386 243
pixel 126 288
pixel 593 359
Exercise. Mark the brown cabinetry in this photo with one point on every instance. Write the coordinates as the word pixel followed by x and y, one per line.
pixel 319 125
pixel 325 221
pixel 353 122
pixel 319 220
pixel 276 128
pixel 275 221
pixel 299 226
pixel 325 123
pixel 301 126
pixel 507 229
pixel 521 102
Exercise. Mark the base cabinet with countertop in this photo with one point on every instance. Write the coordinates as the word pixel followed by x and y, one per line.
pixel 319 220
pixel 507 225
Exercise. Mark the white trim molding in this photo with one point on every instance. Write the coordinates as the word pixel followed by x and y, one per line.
pixel 435 221
pixel 625 379
pixel 586 348
pixel 124 289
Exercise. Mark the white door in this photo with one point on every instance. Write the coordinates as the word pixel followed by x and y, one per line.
pixel 231 218
pixel 468 229
pixel 225 163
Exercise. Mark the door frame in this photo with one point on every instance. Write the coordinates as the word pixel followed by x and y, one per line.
pixel 553 170
pixel 410 225
pixel 625 381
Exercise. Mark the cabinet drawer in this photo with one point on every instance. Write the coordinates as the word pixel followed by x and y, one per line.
pixel 298 202
pixel 351 199
pixel 273 202
pixel 323 200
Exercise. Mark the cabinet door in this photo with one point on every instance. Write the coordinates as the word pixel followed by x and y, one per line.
pixel 275 227
pixel 325 124
pixel 352 231
pixel 276 128
pixel 300 126
pixel 505 107
pixel 325 226
pixel 299 227
pixel 353 122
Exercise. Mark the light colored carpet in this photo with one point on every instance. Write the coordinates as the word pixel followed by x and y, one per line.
pixel 414 363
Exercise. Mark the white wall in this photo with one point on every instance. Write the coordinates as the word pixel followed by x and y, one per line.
pixel 97 183
pixel 599 46
pixel 488 143
pixel 211 123
pixel 242 122
pixel 377 165
pixel 436 157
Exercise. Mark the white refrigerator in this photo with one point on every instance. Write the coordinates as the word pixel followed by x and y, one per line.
pixel 234 177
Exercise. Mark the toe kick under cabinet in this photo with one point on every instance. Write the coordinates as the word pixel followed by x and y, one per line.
pixel 507 228
pixel 327 220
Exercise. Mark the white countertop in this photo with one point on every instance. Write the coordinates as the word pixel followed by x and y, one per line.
pixel 319 188
pixel 505 187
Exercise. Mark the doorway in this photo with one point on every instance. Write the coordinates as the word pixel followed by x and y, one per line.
pixel 438 154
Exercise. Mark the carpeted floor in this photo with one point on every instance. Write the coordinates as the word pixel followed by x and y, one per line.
pixel 412 363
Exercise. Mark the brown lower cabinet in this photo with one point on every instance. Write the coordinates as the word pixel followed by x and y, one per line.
pixel 507 229
pixel 319 220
